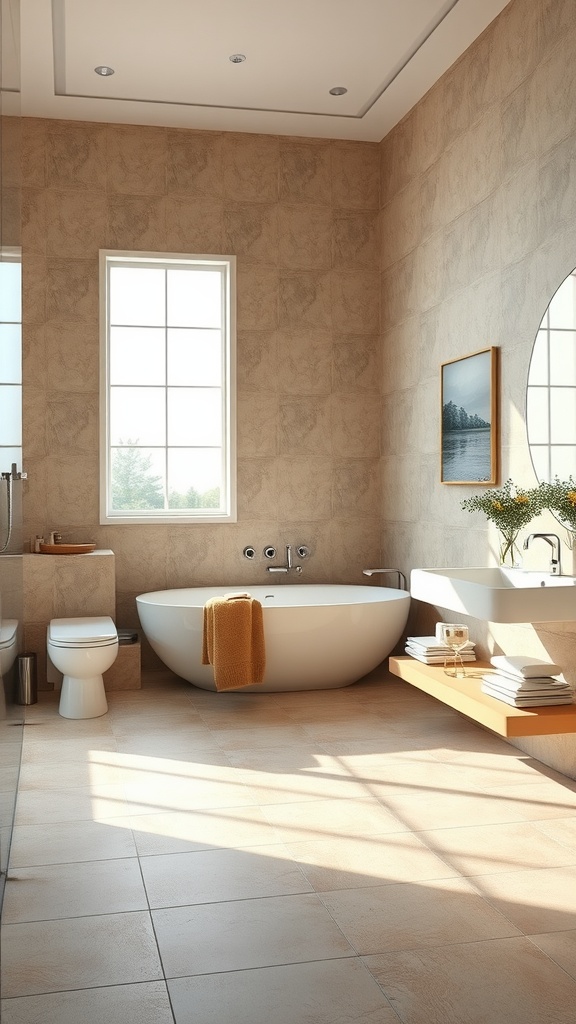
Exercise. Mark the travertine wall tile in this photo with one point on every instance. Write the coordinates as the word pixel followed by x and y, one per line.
pixel 301 215
pixel 488 159
pixel 194 164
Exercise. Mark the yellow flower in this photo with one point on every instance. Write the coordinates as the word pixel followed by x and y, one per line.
pixel 571 496
pixel 498 505
pixel 521 499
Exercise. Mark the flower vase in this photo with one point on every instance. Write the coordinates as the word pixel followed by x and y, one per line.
pixel 509 551
pixel 570 568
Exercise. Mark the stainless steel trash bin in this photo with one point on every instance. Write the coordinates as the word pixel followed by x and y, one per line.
pixel 27 679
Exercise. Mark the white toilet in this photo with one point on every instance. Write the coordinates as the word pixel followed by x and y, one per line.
pixel 82 649
pixel 8 645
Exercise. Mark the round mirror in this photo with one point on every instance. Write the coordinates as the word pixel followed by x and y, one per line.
pixel 551 391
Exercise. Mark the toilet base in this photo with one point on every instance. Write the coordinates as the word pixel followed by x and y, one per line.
pixel 83 698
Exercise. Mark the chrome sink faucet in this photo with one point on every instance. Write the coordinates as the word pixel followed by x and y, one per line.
pixel 554 541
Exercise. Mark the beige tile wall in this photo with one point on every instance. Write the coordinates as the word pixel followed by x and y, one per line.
pixel 478 195
pixel 302 218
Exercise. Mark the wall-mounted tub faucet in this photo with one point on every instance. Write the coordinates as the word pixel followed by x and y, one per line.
pixel 554 541
pixel 289 567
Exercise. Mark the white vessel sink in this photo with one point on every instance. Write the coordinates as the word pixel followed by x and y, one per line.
pixel 498 594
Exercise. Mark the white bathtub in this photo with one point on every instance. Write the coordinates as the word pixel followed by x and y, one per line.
pixel 316 636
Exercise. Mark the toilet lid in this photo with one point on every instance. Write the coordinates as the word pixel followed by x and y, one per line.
pixel 8 632
pixel 94 630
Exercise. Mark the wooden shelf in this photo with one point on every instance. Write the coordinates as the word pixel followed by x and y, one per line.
pixel 465 695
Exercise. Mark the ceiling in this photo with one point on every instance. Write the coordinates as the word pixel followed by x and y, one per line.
pixel 172 66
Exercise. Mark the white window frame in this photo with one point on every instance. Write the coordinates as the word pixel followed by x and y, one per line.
pixel 228 514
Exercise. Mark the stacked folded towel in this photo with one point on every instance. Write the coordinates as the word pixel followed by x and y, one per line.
pixel 526 683
pixel 433 652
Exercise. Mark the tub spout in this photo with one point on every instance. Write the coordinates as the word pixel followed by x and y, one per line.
pixel 401 576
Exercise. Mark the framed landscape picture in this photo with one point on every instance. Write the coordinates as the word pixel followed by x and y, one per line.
pixel 469 419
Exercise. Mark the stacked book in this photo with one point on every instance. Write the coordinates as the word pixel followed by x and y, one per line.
pixel 433 652
pixel 526 683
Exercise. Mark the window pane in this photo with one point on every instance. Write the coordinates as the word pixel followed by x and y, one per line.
pixel 10 353
pixel 11 414
pixel 137 355
pixel 563 415
pixel 137 296
pixel 194 298
pixel 541 461
pixel 562 461
pixel 194 416
pixel 538 372
pixel 195 357
pixel 562 308
pixel 137 478
pixel 138 416
pixel 537 412
pixel 11 292
pixel 563 357
pixel 194 476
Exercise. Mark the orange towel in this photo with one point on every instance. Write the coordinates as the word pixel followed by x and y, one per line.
pixel 233 641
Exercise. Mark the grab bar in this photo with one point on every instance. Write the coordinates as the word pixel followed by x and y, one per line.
pixel 401 576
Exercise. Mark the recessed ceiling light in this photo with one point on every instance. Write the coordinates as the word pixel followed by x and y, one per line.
pixel 104 70
pixel 338 90
pixel 237 58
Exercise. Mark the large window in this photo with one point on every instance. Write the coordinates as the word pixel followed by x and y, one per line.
pixel 167 392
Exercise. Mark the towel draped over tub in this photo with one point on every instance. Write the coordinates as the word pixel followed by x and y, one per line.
pixel 233 640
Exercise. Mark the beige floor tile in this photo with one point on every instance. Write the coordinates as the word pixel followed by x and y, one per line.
pixel 82 749
pixel 55 891
pixel 211 876
pixel 87 803
pixel 146 1003
pixel 261 736
pixel 211 828
pixel 389 749
pixel 308 784
pixel 505 980
pixel 538 800
pixel 70 775
pixel 244 934
pixel 450 810
pixel 430 779
pixel 152 795
pixel 83 952
pixel 325 992
pixel 245 717
pixel 71 841
pixel 489 770
pixel 358 861
pixel 562 830
pixel 299 756
pixel 170 728
pixel 535 901
pixel 483 849
pixel 415 915
pixel 180 746
pixel 67 730
pixel 560 947
pixel 328 819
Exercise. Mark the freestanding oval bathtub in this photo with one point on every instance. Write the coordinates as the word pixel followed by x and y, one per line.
pixel 317 636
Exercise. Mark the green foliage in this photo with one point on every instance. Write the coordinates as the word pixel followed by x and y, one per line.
pixel 133 485
pixel 560 497
pixel 192 499
pixel 454 418
pixel 509 507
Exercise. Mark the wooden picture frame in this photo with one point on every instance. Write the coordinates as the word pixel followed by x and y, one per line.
pixel 469 419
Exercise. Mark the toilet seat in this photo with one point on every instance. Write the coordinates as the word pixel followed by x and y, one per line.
pixel 8 633
pixel 82 632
